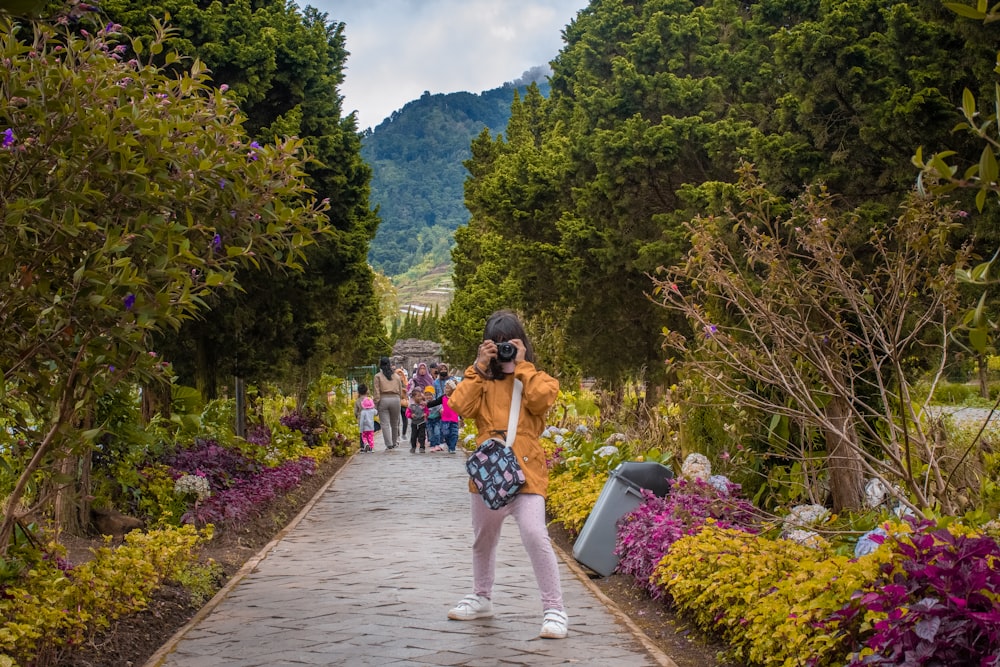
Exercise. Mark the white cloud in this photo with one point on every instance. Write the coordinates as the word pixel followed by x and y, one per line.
pixel 401 48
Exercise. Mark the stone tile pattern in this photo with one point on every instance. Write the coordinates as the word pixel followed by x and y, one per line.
pixel 367 578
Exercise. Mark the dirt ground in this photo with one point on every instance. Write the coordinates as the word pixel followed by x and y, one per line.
pixel 132 640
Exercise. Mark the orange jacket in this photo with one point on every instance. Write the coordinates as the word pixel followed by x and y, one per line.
pixel 488 403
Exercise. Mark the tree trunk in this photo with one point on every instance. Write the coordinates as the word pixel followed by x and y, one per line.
pixel 241 408
pixel 982 366
pixel 66 506
pixel 843 458
pixel 204 373
pixel 155 400
pixel 86 464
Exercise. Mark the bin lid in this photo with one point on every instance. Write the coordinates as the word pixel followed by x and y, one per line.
pixel 648 475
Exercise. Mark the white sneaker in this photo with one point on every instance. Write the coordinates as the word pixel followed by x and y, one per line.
pixel 555 624
pixel 470 607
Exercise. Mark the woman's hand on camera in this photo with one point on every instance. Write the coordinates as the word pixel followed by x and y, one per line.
pixel 487 352
pixel 516 342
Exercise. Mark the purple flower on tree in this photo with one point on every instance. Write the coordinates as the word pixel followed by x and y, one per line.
pixel 254 148
pixel 8 138
pixel 129 301
pixel 216 243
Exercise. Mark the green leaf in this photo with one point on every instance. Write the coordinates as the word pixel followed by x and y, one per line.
pixel 977 317
pixel 778 432
pixel 978 339
pixel 965 10
pixel 92 434
pixel 980 273
pixel 968 103
pixel 988 166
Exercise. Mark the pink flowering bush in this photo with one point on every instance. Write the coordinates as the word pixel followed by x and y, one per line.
pixel 646 533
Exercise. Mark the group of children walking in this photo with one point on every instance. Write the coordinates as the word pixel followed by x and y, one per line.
pixel 430 419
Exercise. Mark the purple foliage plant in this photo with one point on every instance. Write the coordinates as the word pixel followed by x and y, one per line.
pixel 259 434
pixel 941 598
pixel 647 532
pixel 308 423
pixel 207 458
pixel 249 496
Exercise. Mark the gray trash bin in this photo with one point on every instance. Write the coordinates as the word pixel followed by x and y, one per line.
pixel 622 493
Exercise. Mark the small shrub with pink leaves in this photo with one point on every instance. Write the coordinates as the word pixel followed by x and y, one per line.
pixel 646 533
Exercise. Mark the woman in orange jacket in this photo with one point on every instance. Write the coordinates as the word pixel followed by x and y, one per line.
pixel 485 395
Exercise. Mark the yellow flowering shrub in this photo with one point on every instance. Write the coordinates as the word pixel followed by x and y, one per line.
pixel 319 454
pixel 766 597
pixel 156 498
pixel 46 607
pixel 570 500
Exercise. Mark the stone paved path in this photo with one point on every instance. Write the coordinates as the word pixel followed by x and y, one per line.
pixel 367 573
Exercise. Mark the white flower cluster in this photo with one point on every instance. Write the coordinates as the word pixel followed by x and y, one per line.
pixel 720 483
pixel 614 438
pixel 606 450
pixel 193 484
pixel 866 545
pixel 806 538
pixel 696 466
pixel 582 429
pixel 876 493
pixel 804 516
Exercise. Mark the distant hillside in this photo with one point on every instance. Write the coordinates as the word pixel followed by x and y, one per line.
pixel 416 157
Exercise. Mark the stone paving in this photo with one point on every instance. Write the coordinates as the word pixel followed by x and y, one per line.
pixel 365 575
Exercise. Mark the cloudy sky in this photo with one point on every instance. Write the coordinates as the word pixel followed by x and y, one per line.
pixel 400 48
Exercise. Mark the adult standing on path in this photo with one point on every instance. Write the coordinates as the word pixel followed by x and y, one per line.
pixel 404 401
pixel 485 395
pixel 387 390
pixel 422 378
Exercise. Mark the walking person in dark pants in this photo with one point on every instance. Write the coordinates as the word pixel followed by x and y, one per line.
pixel 418 421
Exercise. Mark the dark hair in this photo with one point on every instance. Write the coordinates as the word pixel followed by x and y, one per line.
pixel 386 367
pixel 362 389
pixel 501 326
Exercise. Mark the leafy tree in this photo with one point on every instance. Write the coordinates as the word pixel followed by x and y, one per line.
pixel 588 199
pixel 284 66
pixel 653 105
pixel 131 196
pixel 786 319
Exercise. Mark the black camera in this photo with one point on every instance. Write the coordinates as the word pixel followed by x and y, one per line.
pixel 506 352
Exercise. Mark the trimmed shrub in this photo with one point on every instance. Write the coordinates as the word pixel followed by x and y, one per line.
pixel 646 533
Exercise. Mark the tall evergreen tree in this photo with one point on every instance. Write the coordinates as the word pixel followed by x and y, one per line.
pixel 285 66
pixel 653 105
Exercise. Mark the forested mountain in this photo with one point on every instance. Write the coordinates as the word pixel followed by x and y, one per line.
pixel 416 158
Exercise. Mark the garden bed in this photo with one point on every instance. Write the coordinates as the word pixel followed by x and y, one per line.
pixel 132 640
